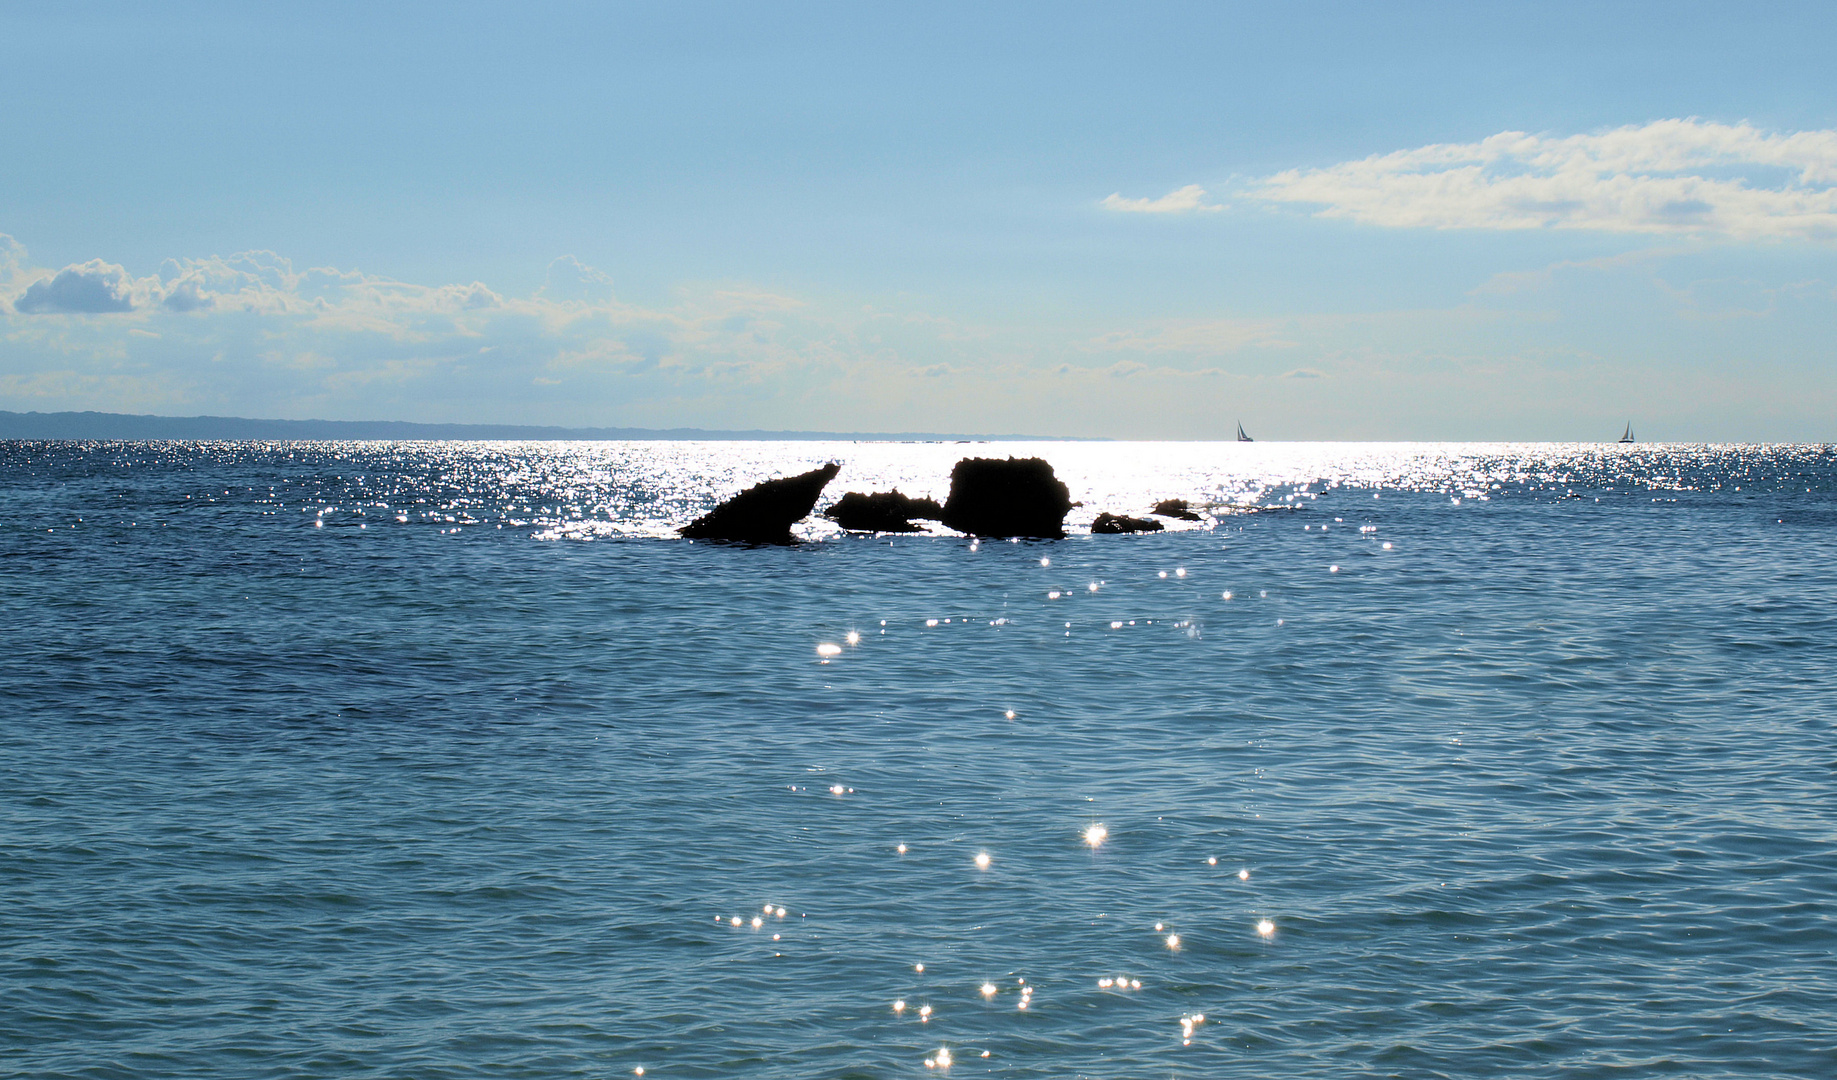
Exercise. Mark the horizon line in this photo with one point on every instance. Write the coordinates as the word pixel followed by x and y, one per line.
pixel 96 425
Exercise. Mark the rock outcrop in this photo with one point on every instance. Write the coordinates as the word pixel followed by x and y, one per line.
pixel 883 511
pixel 1175 508
pixel 1011 497
pixel 764 513
pixel 1122 523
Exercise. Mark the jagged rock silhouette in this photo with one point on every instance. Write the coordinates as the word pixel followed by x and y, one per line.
pixel 882 511
pixel 1011 497
pixel 765 512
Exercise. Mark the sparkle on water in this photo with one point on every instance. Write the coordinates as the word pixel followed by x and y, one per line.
pixel 433 798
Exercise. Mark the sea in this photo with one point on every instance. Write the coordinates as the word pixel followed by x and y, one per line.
pixel 450 760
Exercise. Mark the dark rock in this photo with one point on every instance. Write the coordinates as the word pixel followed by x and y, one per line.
pixel 883 511
pixel 1175 508
pixel 1012 497
pixel 1120 523
pixel 764 513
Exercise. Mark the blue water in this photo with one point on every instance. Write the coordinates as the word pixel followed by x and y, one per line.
pixel 443 760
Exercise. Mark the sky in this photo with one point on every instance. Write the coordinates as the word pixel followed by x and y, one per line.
pixel 1324 221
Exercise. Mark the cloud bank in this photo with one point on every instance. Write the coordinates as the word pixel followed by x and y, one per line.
pixel 1665 177
pixel 252 334
pixel 1557 352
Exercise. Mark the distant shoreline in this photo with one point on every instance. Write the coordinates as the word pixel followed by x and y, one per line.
pixel 128 426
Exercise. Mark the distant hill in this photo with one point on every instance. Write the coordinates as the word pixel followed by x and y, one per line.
pixel 100 425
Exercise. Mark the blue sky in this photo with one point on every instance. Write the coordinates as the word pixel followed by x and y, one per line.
pixel 1330 221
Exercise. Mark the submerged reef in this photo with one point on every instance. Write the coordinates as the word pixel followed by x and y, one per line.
pixel 1122 523
pixel 1175 508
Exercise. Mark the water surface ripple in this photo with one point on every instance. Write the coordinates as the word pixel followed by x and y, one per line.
pixel 443 760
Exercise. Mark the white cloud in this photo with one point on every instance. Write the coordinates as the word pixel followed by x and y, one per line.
pixel 1668 176
pixel 1186 200
pixel 92 288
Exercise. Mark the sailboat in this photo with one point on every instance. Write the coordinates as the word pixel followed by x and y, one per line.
pixel 1628 437
pixel 1241 437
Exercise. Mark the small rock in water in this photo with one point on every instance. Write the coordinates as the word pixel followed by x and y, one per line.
pixel 1120 523
pixel 883 511
pixel 764 513
pixel 1175 508
pixel 1013 497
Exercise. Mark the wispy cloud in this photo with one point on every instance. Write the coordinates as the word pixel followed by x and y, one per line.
pixel 1668 176
pixel 1208 337
pixel 1186 200
pixel 572 281
pixel 1508 282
